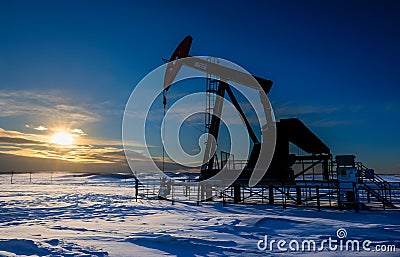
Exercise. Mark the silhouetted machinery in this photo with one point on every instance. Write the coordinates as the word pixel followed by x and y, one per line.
pixel 295 132
pixel 287 171
pixel 288 131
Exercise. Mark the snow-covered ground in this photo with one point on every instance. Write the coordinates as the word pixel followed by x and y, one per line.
pixel 98 216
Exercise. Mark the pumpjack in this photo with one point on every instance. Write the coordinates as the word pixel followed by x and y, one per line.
pixel 352 178
pixel 287 130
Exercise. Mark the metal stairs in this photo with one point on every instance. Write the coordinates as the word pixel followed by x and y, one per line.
pixel 375 185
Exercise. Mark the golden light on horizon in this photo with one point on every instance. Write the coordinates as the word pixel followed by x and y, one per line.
pixel 62 138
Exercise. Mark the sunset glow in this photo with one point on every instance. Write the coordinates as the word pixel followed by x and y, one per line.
pixel 62 138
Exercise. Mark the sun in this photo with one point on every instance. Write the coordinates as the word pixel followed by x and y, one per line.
pixel 62 138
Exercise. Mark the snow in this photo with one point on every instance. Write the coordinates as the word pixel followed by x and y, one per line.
pixel 93 215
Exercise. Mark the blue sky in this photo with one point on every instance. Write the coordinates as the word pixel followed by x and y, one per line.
pixel 335 65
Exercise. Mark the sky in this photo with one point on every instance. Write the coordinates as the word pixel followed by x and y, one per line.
pixel 70 67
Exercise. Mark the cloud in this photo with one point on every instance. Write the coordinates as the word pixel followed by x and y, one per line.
pixel 49 105
pixel 38 146
pixel 33 145
pixel 41 128
pixel 44 113
pixel 10 140
pixel 29 164
pixel 33 138
pixel 78 131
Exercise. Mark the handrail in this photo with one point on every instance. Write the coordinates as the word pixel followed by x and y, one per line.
pixel 381 183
